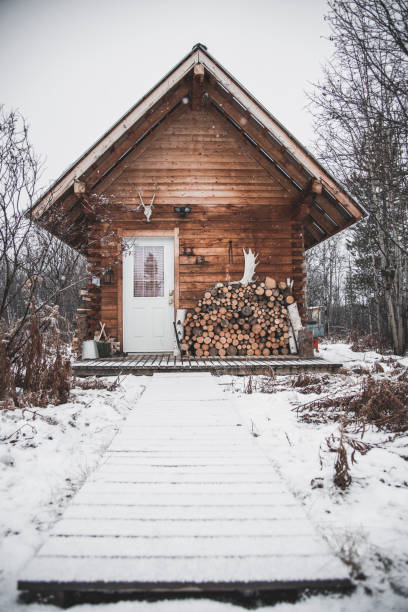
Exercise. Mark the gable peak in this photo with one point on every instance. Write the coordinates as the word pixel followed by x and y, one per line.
pixel 199 46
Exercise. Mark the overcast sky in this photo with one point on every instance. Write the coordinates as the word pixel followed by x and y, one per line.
pixel 73 67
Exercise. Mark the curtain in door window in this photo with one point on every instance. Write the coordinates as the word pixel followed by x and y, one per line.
pixel 148 271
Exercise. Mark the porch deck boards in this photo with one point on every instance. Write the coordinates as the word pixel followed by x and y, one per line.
pixel 148 364
pixel 184 500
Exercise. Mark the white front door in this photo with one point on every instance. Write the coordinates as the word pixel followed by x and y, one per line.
pixel 148 295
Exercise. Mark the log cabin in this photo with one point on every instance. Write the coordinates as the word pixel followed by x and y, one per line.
pixel 164 202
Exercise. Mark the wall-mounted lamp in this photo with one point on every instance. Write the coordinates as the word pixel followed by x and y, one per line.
pixel 108 276
pixel 182 211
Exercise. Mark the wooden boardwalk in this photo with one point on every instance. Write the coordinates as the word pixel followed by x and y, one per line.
pixel 148 364
pixel 184 500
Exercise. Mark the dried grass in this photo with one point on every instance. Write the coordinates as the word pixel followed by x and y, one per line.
pixel 92 382
pixel 378 368
pixel 377 403
pixel 249 385
pixel 40 368
pixel 261 383
pixel 310 383
pixel 381 404
pixel 338 444
pixel 342 476
pixel 369 342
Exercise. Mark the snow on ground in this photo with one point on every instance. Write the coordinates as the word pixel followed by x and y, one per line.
pixel 44 459
pixel 366 525
pixel 43 465
pixel 342 353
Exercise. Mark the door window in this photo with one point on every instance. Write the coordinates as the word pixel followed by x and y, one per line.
pixel 148 271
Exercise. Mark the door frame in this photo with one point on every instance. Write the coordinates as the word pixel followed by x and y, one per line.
pixel 174 233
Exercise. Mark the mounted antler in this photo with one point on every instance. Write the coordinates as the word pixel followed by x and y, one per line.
pixel 250 265
pixel 147 207
pixel 251 261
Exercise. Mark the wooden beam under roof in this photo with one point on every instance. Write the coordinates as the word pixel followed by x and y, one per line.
pixel 304 206
pixel 313 237
pixel 311 198
pixel 309 240
pixel 305 197
pixel 70 231
pixel 197 87
pixel 332 210
pixel 317 233
pixel 329 227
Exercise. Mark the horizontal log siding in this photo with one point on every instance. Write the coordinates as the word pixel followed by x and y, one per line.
pixel 197 161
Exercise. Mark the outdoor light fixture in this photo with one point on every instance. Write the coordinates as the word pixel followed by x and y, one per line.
pixel 182 211
pixel 108 276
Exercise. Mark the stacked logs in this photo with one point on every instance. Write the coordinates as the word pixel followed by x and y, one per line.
pixel 235 319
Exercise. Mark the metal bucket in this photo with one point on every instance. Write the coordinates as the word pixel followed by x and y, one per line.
pixel 89 350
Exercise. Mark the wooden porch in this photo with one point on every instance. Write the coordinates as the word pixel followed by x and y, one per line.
pixel 148 364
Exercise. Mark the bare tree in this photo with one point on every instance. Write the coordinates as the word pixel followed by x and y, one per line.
pixel 360 109
pixel 18 179
pixel 326 272
pixel 378 30
pixel 35 268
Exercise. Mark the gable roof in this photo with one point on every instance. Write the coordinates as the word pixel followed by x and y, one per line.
pixel 321 204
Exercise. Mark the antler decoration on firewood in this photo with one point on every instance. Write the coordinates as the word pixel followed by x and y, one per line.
pixel 251 261
pixel 147 208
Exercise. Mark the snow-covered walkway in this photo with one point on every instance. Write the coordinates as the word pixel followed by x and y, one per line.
pixel 183 498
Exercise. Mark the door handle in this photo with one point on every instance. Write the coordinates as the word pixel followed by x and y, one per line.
pixel 171 298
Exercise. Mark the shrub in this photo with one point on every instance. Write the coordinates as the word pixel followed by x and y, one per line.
pixel 382 404
pixel 368 342
pixel 35 367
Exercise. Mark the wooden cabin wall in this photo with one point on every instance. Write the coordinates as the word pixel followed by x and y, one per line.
pixel 199 160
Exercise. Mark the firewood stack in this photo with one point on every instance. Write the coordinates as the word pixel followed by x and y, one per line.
pixel 240 319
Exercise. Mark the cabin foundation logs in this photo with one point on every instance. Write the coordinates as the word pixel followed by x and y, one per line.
pixel 234 319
